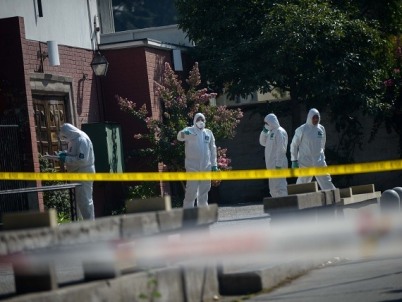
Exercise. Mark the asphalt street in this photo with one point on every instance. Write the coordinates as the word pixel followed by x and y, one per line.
pixel 365 280
pixel 369 280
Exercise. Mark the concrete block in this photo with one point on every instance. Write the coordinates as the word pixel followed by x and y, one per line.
pixel 149 204
pixel 170 220
pixel 345 192
pixel 274 203
pixel 362 189
pixel 140 224
pixel 294 202
pixel 266 277
pixel 302 188
pixel 134 287
pixel 26 220
pixel 296 208
pixel 358 198
pixel 169 284
pixel 390 202
pixel 200 282
pixel 398 190
pixel 34 277
pixel 86 231
pixel 331 197
pixel 310 200
pixel 100 269
pixel 27 239
pixel 200 216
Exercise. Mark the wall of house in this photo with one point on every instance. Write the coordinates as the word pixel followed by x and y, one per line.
pixel 132 75
pixel 22 65
pixel 67 22
pixel 14 107
pixel 246 153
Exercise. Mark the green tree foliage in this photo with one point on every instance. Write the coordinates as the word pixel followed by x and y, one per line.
pixel 179 106
pixel 320 54
pixel 323 57
pixel 390 111
pixel 334 54
pixel 59 200
pixel 388 13
pixel 225 33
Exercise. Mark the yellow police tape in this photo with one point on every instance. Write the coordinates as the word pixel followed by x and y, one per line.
pixel 380 166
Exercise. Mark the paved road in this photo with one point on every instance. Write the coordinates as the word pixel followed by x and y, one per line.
pixel 372 280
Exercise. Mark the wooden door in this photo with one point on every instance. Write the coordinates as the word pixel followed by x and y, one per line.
pixel 50 114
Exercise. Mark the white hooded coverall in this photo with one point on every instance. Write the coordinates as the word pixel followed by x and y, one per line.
pixel 307 147
pixel 200 155
pixel 275 142
pixel 80 158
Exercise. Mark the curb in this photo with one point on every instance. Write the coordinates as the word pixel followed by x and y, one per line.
pixel 254 281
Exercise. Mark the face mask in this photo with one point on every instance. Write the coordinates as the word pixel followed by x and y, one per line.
pixel 268 127
pixel 200 124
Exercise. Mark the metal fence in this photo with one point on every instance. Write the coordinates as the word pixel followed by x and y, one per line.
pixel 10 161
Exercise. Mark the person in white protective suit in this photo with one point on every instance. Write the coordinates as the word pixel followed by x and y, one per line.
pixel 307 149
pixel 200 155
pixel 79 157
pixel 275 140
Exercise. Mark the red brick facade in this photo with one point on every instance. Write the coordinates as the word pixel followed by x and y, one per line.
pixel 21 63
pixel 132 74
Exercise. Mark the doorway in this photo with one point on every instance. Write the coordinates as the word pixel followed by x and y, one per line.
pixel 50 114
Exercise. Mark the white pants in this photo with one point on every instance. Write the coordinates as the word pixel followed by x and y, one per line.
pixel 83 198
pixel 324 181
pixel 278 187
pixel 196 189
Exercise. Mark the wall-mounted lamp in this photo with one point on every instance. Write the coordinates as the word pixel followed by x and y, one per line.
pixel 99 64
pixel 52 53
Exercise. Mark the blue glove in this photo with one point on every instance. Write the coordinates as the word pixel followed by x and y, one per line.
pixel 265 130
pixel 295 164
pixel 278 167
pixel 186 132
pixel 214 168
pixel 62 157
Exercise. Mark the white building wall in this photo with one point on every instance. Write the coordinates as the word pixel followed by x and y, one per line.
pixel 68 22
pixel 170 34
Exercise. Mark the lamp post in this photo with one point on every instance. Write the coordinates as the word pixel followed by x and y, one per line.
pixel 99 64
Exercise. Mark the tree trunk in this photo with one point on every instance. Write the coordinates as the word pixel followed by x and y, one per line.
pixel 295 104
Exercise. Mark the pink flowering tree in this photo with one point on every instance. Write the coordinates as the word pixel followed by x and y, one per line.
pixel 178 106
pixel 223 163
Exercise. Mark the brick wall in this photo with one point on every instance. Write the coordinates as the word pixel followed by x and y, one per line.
pixel 20 62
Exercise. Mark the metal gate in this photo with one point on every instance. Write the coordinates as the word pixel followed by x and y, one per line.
pixel 10 161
